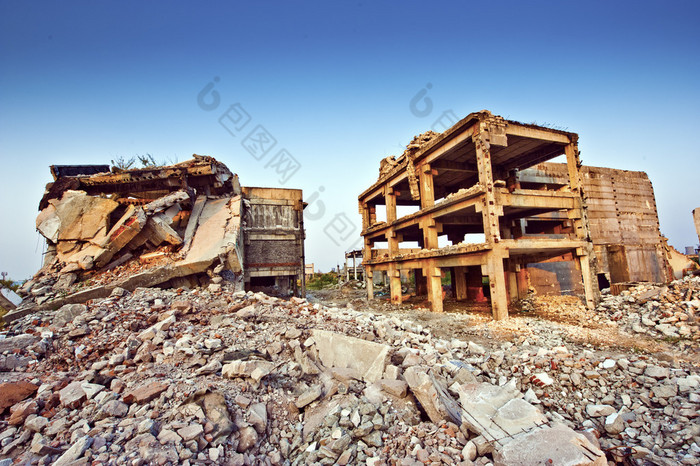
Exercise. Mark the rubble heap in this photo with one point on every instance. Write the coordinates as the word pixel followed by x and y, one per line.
pixel 176 223
pixel 175 376
pixel 668 312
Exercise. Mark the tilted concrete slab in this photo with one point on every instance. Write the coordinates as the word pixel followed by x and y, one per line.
pixel 76 216
pixel 555 445
pixel 337 350
pixel 217 234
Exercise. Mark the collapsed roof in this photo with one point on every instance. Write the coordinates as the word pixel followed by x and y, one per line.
pixel 175 225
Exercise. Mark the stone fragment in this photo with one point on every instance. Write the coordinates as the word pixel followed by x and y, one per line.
pixel 308 396
pixel 665 390
pixel 657 372
pixel 112 408
pixel 209 368
pixel 254 369
pixel 594 410
pixel 168 436
pixel 247 439
pixel 469 451
pixel 36 423
pixel 216 411
pixel 14 392
pixel 609 364
pixel 74 452
pixel 257 417
pixel 73 395
pixel 426 392
pixel 396 388
pixel 21 342
pixel 541 379
pixel 41 446
pixel 67 313
pixel 190 432
pixel 91 389
pixel 145 393
pixel 614 424
pixel 21 411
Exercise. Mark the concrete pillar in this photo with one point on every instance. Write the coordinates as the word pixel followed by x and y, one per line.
pixel 459 283
pixel 395 285
pixel 390 197
pixel 421 284
pixel 584 262
pixel 427 191
pixel 475 287
pixel 497 285
pixel 430 233
pixel 370 284
pixel 434 289
pixel 489 208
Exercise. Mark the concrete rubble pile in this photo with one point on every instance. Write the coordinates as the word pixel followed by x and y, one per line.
pixel 167 225
pixel 180 376
pixel 670 312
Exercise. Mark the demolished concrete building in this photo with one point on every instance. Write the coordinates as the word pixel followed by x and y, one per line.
pixel 182 225
pixel 512 220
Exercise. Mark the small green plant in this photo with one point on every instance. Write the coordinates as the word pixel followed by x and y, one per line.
pixel 123 164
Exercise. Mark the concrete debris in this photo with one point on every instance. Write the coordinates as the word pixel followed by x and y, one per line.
pixel 183 225
pixel 297 382
pixel 669 312
pixel 367 358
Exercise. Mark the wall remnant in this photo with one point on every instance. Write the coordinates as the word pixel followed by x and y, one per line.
pixel 622 218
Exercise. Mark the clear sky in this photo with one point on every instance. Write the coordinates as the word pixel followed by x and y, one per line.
pixel 332 83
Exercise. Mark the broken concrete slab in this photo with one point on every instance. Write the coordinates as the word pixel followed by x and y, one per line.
pixel 67 313
pixel 555 445
pixel 217 234
pixel 337 350
pixel 9 299
pixel 427 393
pixel 18 342
pixel 76 216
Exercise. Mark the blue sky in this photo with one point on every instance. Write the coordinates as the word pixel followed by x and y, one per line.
pixel 87 82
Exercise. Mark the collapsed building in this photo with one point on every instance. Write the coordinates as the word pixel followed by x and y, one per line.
pixel 511 220
pixel 182 225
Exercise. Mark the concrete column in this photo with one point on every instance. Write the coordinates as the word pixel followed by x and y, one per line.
pixel 390 197
pixel 427 190
pixel 421 285
pixel 497 285
pixel 434 289
pixel 395 285
pixel 475 287
pixel 430 233
pixel 489 209
pixel 585 264
pixel 460 283
pixel 370 284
